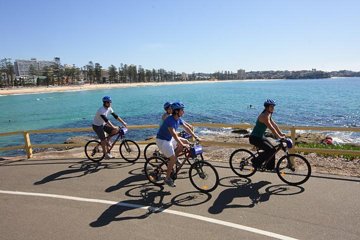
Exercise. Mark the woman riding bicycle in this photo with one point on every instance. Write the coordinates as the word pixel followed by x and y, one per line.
pixel 101 124
pixel 169 142
pixel 257 136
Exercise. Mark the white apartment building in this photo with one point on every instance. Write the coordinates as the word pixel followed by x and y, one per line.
pixel 22 67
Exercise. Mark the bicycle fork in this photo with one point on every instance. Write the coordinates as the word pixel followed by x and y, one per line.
pixel 200 171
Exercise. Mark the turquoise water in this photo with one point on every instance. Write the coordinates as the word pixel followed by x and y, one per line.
pixel 325 102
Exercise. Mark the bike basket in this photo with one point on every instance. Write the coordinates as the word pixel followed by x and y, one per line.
pixel 196 150
pixel 123 131
pixel 185 135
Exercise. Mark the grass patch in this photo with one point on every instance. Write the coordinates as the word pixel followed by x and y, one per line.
pixel 338 147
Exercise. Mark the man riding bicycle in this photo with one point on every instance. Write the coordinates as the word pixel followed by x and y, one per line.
pixel 169 143
pixel 258 139
pixel 101 124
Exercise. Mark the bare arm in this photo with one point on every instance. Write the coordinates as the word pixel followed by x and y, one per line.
pixel 164 116
pixel 175 136
pixel 277 128
pixel 265 118
pixel 189 130
pixel 122 121
pixel 188 125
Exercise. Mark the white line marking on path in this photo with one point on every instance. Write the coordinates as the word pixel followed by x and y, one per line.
pixel 188 215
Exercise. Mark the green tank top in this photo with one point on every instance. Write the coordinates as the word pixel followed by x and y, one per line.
pixel 259 129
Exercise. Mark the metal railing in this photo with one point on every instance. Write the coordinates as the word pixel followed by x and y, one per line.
pixel 28 146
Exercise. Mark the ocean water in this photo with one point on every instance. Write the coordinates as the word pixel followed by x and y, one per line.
pixel 320 102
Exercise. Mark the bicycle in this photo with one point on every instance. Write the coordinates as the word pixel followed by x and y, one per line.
pixel 152 150
pixel 129 149
pixel 293 169
pixel 203 176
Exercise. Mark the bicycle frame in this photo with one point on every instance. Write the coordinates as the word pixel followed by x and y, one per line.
pixel 119 135
pixel 186 153
pixel 278 147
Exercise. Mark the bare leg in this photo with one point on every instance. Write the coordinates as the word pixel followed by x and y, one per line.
pixel 170 166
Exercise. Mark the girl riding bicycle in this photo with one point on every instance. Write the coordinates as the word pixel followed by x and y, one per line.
pixel 258 139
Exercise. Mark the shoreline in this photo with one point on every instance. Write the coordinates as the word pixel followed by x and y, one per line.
pixel 86 87
pixel 90 87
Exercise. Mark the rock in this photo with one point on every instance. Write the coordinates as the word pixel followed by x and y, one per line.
pixel 78 139
pixel 309 138
pixel 241 131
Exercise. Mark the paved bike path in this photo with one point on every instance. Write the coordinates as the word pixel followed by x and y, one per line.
pixel 74 199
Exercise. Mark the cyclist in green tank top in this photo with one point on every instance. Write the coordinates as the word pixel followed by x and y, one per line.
pixel 257 136
pixel 259 129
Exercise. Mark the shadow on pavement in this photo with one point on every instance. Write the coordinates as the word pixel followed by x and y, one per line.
pixel 126 182
pixel 250 191
pixel 82 168
pixel 149 198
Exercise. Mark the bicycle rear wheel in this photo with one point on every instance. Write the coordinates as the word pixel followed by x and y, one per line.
pixel 94 151
pixel 293 169
pixel 203 176
pixel 155 170
pixel 129 150
pixel 241 163
pixel 151 150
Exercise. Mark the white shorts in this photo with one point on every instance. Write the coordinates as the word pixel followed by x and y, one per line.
pixel 167 147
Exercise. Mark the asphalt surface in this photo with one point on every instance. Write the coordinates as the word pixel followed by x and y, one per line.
pixel 76 199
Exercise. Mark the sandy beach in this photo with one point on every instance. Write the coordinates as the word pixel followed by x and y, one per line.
pixel 86 87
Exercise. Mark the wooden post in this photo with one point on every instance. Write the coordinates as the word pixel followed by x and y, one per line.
pixel 293 136
pixel 28 147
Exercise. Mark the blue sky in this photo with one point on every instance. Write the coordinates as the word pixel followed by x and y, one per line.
pixel 186 35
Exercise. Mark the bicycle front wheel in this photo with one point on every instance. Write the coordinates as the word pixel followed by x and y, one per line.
pixel 129 150
pixel 155 170
pixel 203 176
pixel 241 163
pixel 293 169
pixel 151 150
pixel 94 151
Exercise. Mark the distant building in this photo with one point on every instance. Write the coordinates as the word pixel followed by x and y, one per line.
pixel 22 67
pixel 184 77
pixel 241 74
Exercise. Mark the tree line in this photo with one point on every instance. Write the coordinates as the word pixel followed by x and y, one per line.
pixel 92 73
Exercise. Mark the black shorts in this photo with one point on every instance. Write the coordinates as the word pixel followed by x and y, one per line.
pixel 100 131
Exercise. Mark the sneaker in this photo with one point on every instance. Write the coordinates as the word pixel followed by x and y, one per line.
pixel 109 156
pixel 170 182
pixel 161 177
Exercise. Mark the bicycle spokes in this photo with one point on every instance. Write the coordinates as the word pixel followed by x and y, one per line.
pixel 94 151
pixel 293 169
pixel 203 176
pixel 241 163
pixel 129 150
pixel 155 170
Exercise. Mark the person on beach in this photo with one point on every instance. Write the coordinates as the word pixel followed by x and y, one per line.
pixel 101 124
pixel 167 140
pixel 258 139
